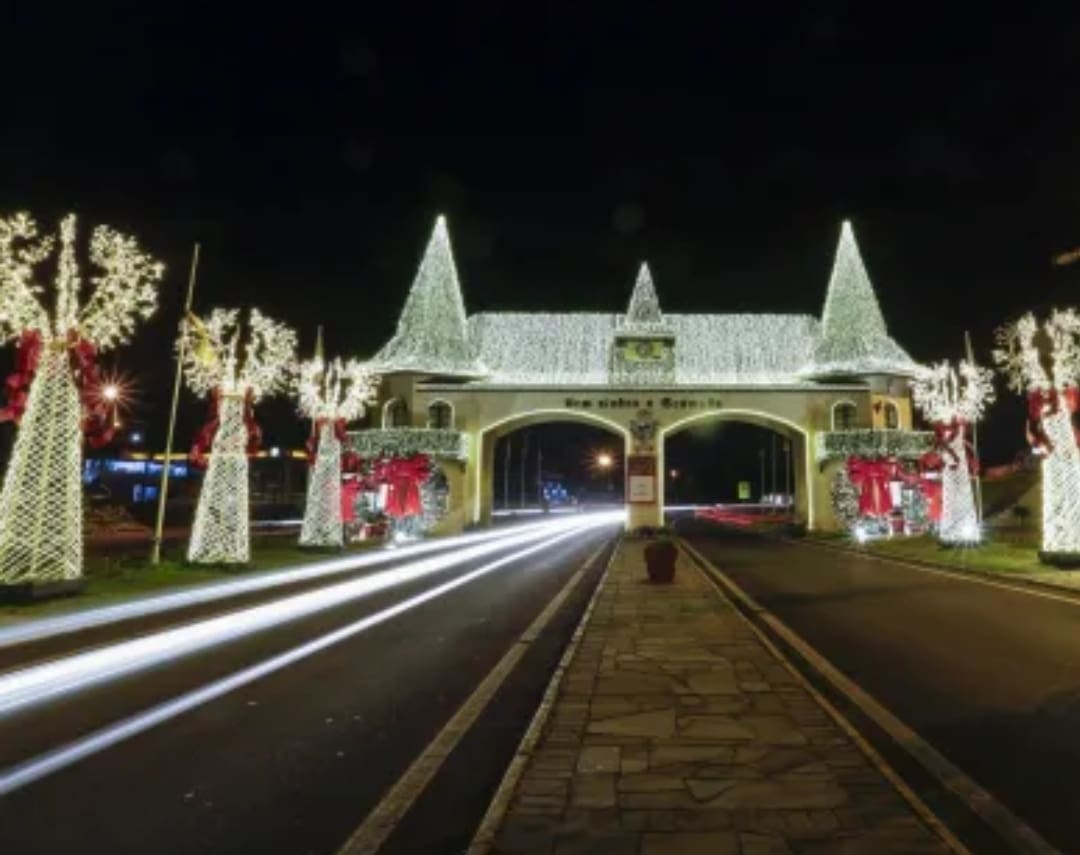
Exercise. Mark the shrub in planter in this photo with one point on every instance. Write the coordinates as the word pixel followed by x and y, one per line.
pixel 660 555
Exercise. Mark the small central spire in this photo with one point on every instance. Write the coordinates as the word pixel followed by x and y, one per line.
pixel 643 314
pixel 644 308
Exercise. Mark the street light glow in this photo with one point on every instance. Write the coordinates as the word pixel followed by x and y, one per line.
pixel 604 460
pixel 33 630
pixel 18 776
pixel 38 684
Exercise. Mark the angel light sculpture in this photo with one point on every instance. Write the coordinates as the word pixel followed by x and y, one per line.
pixel 55 395
pixel 234 381
pixel 331 394
pixel 952 399
pixel 1043 361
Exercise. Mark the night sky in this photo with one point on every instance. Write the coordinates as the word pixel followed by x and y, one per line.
pixel 310 151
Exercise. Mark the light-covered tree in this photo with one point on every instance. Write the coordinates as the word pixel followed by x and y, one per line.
pixel 1043 362
pixel 953 398
pixel 331 394
pixel 55 393
pixel 235 375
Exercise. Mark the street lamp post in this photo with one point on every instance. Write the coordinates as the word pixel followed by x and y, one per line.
pixel 761 458
pixel 787 472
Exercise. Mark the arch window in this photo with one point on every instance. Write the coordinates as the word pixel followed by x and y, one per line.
pixel 440 415
pixel 892 416
pixel 395 414
pixel 844 415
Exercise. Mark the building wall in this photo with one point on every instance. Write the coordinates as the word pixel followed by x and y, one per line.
pixel 485 413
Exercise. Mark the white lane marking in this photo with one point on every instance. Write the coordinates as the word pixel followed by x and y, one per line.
pixel 41 683
pixel 484 837
pixel 385 816
pixel 38 767
pixel 958 575
pixel 1017 834
pixel 34 630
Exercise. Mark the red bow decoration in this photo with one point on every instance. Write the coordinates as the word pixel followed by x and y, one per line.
pixel 82 358
pixel 96 423
pixel 349 489
pixel 17 385
pixel 316 435
pixel 871 478
pixel 254 432
pixel 1049 399
pixel 204 439
pixel 945 433
pixel 403 476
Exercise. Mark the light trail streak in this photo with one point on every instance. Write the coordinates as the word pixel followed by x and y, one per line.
pixel 38 767
pixel 62 624
pixel 38 684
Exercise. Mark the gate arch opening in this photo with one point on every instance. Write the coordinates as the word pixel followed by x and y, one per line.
pixel 794 434
pixel 616 444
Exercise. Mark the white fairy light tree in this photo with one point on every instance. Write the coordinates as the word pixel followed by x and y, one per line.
pixel 952 398
pixel 234 381
pixel 1043 361
pixel 331 394
pixel 55 393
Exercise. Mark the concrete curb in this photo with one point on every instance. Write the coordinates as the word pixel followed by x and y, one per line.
pixel 486 832
pixel 383 819
pixel 982 575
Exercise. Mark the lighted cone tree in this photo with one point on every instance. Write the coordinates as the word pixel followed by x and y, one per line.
pixel 954 398
pixel 234 382
pixel 55 393
pixel 1043 361
pixel 331 395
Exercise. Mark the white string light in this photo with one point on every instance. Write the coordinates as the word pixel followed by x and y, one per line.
pixel 853 338
pixel 955 396
pixel 221 531
pixel 213 361
pixel 433 335
pixel 41 499
pixel 1045 361
pixel 329 392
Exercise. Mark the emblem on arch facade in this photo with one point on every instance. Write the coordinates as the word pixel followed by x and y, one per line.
pixel 643 429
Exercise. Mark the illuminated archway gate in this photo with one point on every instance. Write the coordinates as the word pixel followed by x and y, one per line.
pixel 644 375
pixel 643 419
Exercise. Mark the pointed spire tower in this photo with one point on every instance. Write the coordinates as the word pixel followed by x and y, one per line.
pixel 643 314
pixel 853 339
pixel 643 347
pixel 432 336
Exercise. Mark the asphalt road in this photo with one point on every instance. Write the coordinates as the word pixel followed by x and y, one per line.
pixel 293 763
pixel 28 652
pixel 989 676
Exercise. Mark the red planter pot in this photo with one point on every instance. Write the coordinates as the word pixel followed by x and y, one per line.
pixel 660 561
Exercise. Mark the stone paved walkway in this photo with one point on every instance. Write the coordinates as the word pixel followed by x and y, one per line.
pixel 676 730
